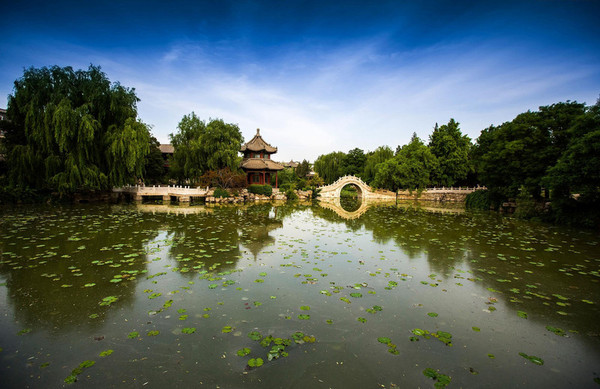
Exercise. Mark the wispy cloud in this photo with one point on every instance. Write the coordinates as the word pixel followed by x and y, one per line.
pixel 311 96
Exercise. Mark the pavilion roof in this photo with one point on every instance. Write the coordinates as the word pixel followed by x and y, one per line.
pixel 258 144
pixel 260 164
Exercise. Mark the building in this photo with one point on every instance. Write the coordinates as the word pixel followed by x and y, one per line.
pixel 167 151
pixel 290 165
pixel 257 163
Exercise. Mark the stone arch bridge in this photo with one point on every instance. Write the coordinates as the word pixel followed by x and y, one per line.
pixel 333 191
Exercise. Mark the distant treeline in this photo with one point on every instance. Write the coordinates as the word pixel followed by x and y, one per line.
pixel 71 131
pixel 548 161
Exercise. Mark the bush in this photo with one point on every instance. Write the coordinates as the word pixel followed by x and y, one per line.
pixel 480 199
pixel 265 190
pixel 285 187
pixel 220 192
pixel 291 194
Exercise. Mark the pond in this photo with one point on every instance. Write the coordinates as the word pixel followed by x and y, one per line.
pixel 294 296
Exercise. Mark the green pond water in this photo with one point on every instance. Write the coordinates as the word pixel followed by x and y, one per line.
pixel 309 296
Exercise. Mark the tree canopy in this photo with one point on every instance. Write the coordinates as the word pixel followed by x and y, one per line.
pixel 330 166
pixel 411 168
pixel 303 169
pixel 381 154
pixel 518 153
pixel 201 147
pixel 73 130
pixel 353 163
pixel 451 148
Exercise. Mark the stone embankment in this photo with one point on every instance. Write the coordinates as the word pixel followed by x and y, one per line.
pixel 245 196
pixel 184 194
pixel 437 194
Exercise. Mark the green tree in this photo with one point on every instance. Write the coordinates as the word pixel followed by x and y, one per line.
pixel 329 166
pixel 154 165
pixel 354 162
pixel 200 147
pixel 303 169
pixel 381 154
pixel 451 148
pixel 577 173
pixel 518 153
pixel 411 168
pixel 72 131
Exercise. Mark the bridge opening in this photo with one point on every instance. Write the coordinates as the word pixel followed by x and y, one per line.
pixel 351 204
pixel 351 191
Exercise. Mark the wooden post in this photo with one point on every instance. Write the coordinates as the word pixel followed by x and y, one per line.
pixel 276 179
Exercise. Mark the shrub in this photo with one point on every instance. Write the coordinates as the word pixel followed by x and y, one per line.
pixel 220 192
pixel 480 199
pixel 265 190
pixel 291 194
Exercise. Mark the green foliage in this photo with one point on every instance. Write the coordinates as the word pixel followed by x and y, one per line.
pixel 518 153
pixel 330 166
pixel 353 163
pixel 291 194
pixel 201 146
pixel 451 148
pixel 285 178
pixel 479 199
pixel 154 169
pixel 265 190
pixel 303 169
pixel 349 191
pixel 219 192
pixel 411 168
pixel 380 155
pixel 558 148
pixel 73 131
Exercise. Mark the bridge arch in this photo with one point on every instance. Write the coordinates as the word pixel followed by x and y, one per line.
pixel 334 190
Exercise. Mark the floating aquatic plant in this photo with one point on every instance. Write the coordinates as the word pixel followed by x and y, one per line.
pixel 534 359
pixel 442 380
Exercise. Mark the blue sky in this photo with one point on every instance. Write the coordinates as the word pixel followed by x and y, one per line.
pixel 319 76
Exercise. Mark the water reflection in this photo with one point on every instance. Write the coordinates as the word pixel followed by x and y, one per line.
pixel 254 266
pixel 49 257
pixel 351 208
pixel 526 264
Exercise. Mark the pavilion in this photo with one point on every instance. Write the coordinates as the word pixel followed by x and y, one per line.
pixel 257 163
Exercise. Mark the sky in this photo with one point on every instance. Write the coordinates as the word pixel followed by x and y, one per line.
pixel 319 76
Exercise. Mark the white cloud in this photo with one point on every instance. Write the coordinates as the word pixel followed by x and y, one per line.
pixel 312 101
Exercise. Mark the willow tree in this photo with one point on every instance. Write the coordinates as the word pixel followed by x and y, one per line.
pixel 330 166
pixel 73 130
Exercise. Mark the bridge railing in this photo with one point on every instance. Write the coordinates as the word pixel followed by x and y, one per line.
pixel 459 188
pixel 346 177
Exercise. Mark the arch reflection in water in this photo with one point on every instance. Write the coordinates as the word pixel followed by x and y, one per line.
pixel 351 208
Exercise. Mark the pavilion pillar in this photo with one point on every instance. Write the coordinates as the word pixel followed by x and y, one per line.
pixel 276 179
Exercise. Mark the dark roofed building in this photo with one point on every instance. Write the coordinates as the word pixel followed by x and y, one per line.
pixel 291 164
pixel 257 163
pixel 166 150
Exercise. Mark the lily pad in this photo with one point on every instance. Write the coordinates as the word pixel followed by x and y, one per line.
pixel 532 358
pixel 255 362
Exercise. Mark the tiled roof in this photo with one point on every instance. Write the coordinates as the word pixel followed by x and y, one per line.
pixel 260 164
pixel 166 149
pixel 258 144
